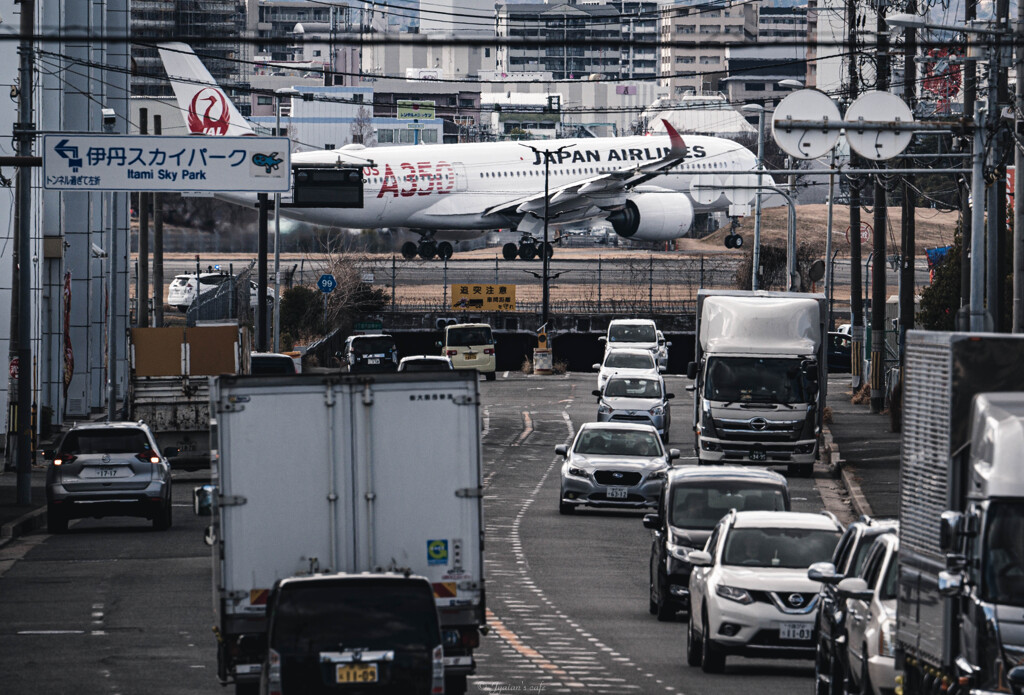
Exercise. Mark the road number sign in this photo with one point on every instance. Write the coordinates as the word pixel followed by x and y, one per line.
pixel 326 283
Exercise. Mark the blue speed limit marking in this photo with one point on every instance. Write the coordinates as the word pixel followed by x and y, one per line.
pixel 326 283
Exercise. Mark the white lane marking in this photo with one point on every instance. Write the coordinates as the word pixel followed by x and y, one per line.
pixel 51 632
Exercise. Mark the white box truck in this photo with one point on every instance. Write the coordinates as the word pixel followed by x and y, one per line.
pixel 324 473
pixel 959 624
pixel 759 377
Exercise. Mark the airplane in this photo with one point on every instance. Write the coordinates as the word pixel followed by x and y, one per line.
pixel 641 185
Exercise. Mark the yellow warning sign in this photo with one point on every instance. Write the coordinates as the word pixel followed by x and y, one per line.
pixel 484 297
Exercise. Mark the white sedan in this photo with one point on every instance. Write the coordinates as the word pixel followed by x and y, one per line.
pixel 632 362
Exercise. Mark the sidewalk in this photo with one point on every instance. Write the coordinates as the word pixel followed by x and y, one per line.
pixel 869 452
pixel 17 520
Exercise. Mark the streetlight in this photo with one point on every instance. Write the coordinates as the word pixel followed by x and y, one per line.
pixel 791 271
pixel 278 94
pixel 757 204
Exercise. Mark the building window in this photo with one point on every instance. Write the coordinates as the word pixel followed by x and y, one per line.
pixel 386 135
pixel 429 136
pixel 755 86
pixel 316 54
pixel 264 101
pixel 329 146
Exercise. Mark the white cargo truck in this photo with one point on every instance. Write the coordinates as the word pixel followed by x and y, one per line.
pixel 327 473
pixel 759 378
pixel 960 610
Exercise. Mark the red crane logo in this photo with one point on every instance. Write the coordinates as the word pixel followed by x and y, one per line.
pixel 215 118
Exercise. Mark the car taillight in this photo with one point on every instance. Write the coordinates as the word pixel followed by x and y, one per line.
pixel 63 458
pixel 470 637
pixel 488 351
pixel 451 353
pixel 148 456
pixel 437 671
pixel 274 672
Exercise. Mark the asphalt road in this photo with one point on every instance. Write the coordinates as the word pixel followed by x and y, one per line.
pixel 113 607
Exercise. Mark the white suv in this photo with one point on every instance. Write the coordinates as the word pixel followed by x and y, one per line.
pixel 749 591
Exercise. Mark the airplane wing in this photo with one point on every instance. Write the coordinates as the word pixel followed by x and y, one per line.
pixel 583 194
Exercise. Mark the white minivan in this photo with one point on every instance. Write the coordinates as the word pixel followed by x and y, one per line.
pixel 470 346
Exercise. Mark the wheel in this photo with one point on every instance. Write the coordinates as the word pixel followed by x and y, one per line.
pixel 712 660
pixel 163 518
pixel 666 613
pixel 490 376
pixel 455 685
pixel 652 607
pixel 427 250
pixel 802 470
pixel 865 679
pixel 182 309
pixel 822 681
pixel 564 507
pixel 664 437
pixel 445 250
pixel 527 251
pixel 509 251
pixel 693 645
pixel 56 522
pixel 549 249
pixel 409 250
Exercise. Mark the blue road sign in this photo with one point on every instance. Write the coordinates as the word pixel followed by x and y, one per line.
pixel 326 283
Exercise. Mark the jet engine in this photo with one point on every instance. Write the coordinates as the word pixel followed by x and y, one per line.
pixel 654 216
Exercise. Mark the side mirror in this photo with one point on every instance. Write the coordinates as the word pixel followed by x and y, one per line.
pixel 699 558
pixel 602 339
pixel 950 583
pixel 691 388
pixel 652 522
pixel 47 454
pixel 856 588
pixel 669 396
pixel 673 454
pixel 595 366
pixel 596 392
pixel 824 572
pixel 562 450
pixel 662 370
pixel 202 500
pixel 950 527
pixel 171 451
pixel 668 343
pixel 691 370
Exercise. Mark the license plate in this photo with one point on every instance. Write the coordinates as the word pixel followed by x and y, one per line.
pixel 797 631
pixel 758 455
pixel 356 673
pixel 618 493
pixel 373 360
pixel 105 472
pixel 470 355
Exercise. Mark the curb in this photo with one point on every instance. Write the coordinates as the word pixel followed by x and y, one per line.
pixel 25 523
pixel 834 461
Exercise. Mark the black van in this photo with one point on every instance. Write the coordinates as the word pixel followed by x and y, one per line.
pixel 369 353
pixel 353 633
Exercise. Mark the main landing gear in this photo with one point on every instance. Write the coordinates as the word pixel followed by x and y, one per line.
pixel 527 249
pixel 427 249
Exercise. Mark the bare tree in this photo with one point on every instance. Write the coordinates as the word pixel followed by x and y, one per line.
pixel 362 128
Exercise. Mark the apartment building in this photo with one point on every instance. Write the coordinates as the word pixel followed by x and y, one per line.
pixel 704 30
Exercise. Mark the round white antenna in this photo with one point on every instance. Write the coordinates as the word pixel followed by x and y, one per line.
pixel 805 105
pixel 740 189
pixel 705 188
pixel 875 108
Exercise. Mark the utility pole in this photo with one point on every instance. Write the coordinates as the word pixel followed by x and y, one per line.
pixel 878 270
pixel 142 281
pixel 966 214
pixel 996 250
pixel 158 246
pixel 22 308
pixel 856 309
pixel 908 241
pixel 1018 184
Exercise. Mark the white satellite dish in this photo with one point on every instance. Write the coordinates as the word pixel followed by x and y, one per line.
pixel 705 188
pixel 805 105
pixel 740 189
pixel 880 107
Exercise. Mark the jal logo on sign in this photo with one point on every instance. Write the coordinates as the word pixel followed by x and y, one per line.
pixel 208 112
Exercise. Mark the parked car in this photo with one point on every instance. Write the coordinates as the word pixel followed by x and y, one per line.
pixel 871 609
pixel 749 590
pixel 634 333
pixel 333 633
pixel 636 399
pixel 840 348
pixel 830 659
pixel 470 346
pixel 661 355
pixel 627 362
pixel 693 500
pixel 271 363
pixel 425 363
pixel 182 290
pixel 371 352
pixel 107 469
pixel 612 464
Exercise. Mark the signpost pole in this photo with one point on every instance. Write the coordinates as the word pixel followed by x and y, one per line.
pixel 261 274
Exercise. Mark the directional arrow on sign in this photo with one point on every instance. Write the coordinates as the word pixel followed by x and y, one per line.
pixel 70 153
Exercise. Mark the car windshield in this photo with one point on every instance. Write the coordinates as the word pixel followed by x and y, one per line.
pixel 632 333
pixel 628 360
pixel 213 279
pixel 755 380
pixel 1003 568
pixel 792 548
pixel 181 279
pixel 618 443
pixel 465 336
pixel 104 441
pixel 373 346
pixel 701 505
pixel 369 616
pixel 621 387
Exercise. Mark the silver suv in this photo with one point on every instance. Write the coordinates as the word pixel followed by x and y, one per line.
pixel 108 469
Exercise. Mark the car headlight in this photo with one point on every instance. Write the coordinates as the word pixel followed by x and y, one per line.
pixel 603 408
pixel 658 475
pixel 734 594
pixel 887 638
pixel 679 552
pixel 657 410
pixel 578 472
